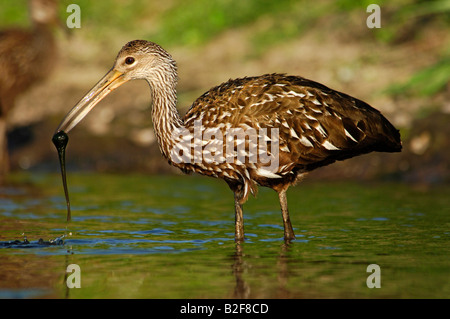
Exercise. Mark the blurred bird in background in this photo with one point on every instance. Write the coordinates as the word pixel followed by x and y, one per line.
pixel 27 57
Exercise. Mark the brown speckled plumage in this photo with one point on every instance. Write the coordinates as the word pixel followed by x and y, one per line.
pixel 310 124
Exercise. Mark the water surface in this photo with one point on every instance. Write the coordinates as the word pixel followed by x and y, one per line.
pixel 173 237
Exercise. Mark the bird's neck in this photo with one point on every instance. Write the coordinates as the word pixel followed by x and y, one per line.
pixel 42 31
pixel 165 116
pixel 43 40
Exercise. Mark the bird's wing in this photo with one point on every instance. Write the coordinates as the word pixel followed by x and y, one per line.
pixel 313 121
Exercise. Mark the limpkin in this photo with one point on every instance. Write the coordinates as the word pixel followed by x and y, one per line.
pixel 26 58
pixel 309 124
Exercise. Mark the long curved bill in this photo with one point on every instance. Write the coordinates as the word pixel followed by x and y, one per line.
pixel 111 81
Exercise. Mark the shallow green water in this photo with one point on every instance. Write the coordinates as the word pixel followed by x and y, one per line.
pixel 172 237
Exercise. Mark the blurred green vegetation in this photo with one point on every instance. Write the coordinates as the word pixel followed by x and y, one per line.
pixel 195 23
pixel 405 22
pixel 13 13
pixel 427 81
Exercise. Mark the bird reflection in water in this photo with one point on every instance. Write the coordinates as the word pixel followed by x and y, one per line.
pixel 243 263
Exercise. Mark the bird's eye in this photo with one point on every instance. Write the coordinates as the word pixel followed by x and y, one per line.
pixel 129 60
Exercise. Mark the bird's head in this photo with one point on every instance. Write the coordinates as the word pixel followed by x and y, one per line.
pixel 46 13
pixel 141 59
pixel 138 59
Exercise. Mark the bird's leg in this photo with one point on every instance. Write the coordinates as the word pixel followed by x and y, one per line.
pixel 288 231
pixel 237 189
pixel 239 218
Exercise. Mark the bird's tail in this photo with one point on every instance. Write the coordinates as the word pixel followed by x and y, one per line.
pixel 388 137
